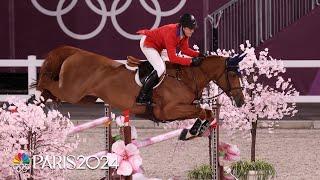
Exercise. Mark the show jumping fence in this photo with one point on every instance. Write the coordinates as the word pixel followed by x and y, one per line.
pixel 32 63
pixel 125 132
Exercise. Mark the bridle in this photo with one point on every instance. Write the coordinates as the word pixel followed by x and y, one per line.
pixel 225 72
pixel 227 69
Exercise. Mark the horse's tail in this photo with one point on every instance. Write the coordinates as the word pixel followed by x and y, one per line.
pixel 34 84
pixel 52 64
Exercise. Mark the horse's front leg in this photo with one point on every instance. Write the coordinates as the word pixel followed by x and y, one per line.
pixel 180 111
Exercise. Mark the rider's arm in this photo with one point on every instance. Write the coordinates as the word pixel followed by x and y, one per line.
pixel 188 51
pixel 171 49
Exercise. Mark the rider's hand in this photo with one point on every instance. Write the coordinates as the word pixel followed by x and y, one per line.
pixel 196 61
pixel 201 55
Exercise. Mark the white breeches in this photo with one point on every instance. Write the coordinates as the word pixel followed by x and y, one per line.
pixel 153 57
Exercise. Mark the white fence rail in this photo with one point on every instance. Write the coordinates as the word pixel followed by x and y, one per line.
pixel 32 63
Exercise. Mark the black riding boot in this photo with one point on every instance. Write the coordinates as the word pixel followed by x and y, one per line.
pixel 145 94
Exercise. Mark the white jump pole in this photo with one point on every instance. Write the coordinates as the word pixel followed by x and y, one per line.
pixel 159 138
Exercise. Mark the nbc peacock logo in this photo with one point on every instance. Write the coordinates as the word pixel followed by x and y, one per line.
pixel 21 162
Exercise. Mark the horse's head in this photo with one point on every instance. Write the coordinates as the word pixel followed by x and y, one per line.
pixel 226 75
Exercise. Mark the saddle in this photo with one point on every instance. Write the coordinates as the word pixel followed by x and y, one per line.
pixel 143 68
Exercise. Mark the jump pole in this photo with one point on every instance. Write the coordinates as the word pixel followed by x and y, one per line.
pixel 89 125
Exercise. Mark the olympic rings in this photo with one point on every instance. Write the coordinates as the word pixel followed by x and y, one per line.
pixel 102 11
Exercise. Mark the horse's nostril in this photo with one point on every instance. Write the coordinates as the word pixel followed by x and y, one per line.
pixel 239 102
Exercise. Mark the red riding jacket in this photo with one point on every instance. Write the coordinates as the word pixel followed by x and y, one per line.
pixel 168 37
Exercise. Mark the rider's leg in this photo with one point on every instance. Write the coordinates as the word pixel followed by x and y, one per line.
pixel 155 60
pixel 153 57
pixel 145 94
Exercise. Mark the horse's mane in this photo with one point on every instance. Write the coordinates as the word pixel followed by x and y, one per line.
pixel 175 66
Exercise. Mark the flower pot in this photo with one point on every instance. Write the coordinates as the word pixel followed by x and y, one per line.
pixel 228 177
pixel 257 175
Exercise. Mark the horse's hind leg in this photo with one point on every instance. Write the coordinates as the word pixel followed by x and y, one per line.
pixel 88 100
pixel 62 92
pixel 45 94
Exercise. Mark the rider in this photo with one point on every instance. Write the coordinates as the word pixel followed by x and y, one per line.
pixel 169 37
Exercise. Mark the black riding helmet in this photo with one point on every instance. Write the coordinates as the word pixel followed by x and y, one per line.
pixel 188 20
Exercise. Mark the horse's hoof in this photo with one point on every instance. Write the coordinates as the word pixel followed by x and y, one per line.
pixel 204 127
pixel 183 135
pixel 195 128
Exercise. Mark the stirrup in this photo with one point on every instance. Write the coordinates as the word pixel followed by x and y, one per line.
pixel 143 101
pixel 150 103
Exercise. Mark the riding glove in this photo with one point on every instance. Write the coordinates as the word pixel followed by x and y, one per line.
pixel 196 61
pixel 201 55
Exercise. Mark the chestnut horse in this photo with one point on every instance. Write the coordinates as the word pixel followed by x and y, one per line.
pixel 77 76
